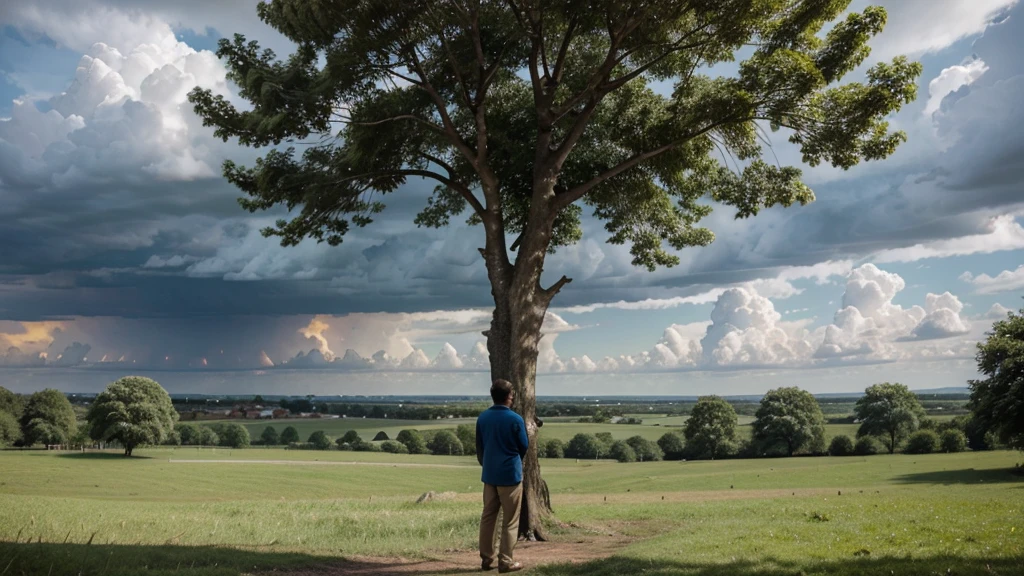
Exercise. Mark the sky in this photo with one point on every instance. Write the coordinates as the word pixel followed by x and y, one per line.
pixel 123 250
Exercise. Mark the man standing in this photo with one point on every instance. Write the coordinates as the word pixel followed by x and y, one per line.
pixel 501 444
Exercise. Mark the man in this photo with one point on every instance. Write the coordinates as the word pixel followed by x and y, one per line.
pixel 501 444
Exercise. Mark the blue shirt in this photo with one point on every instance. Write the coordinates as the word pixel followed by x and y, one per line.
pixel 501 444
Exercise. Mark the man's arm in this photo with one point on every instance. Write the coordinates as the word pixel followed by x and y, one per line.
pixel 479 445
pixel 522 439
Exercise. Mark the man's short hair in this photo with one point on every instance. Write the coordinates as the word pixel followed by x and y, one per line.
pixel 500 391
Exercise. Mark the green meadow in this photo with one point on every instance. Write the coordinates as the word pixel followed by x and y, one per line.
pixel 231 512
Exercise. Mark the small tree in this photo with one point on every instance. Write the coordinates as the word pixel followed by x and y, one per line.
pixel 413 441
pixel 234 435
pixel 841 446
pixel 922 442
pixel 672 445
pixel 445 443
pixel 467 435
pixel 790 417
pixel 320 440
pixel 604 440
pixel 997 402
pixel 583 446
pixel 646 451
pixel 381 436
pixel 889 411
pixel 351 437
pixel 865 446
pixel 622 452
pixel 554 448
pixel 289 435
pixel 48 418
pixel 207 437
pixel 952 441
pixel 710 430
pixel 269 436
pixel 132 411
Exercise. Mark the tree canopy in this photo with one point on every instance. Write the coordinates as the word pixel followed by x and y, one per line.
pixel 998 401
pixel 889 411
pixel 234 435
pixel 490 95
pixel 710 430
pixel 48 418
pixel 132 411
pixel 790 417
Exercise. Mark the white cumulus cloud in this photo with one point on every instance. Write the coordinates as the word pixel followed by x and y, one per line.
pixel 1005 281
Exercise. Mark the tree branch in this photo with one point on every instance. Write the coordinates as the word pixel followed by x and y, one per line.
pixel 568 197
pixel 550 293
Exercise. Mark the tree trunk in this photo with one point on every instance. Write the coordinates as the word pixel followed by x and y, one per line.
pixel 512 343
pixel 513 361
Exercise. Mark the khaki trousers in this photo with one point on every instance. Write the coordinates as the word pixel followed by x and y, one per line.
pixel 508 500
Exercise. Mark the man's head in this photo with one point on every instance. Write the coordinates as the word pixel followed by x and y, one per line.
pixel 502 392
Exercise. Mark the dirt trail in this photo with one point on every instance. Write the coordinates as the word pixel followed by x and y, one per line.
pixel 578 549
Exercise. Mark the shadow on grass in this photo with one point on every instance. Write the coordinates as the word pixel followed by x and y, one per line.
pixel 31 558
pixel 967 476
pixel 855 566
pixel 101 456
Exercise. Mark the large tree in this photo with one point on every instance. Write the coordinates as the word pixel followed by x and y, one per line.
pixel 132 411
pixel 789 417
pixel 997 402
pixel 889 411
pixel 48 418
pixel 710 430
pixel 522 112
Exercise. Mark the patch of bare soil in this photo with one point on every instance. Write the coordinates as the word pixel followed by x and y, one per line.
pixel 572 550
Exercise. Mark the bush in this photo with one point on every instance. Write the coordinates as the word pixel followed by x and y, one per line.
pixel 207 437
pixel 234 436
pixel 445 443
pixel 382 435
pixel 320 440
pixel 953 441
pixel 351 437
pixel 841 446
pixel 922 442
pixel 172 439
pixel 343 446
pixel 622 452
pixel 646 451
pixel 865 446
pixel 413 441
pixel 289 435
pixel 269 436
pixel 672 445
pixel 583 446
pixel 604 440
pixel 363 446
pixel 393 447
pixel 554 448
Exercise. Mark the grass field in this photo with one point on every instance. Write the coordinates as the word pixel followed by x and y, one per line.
pixel 232 512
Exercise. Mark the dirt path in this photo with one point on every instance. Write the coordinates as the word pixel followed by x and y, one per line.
pixel 577 549
pixel 319 463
